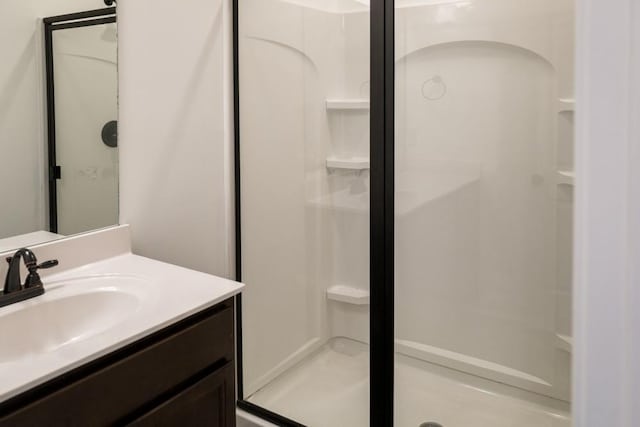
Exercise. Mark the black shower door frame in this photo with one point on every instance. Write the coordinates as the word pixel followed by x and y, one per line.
pixel 381 263
pixel 61 22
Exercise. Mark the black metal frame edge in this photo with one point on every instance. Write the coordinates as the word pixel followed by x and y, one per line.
pixel 51 24
pixel 51 129
pixel 237 202
pixel 381 264
pixel 80 15
pixel 267 415
pixel 84 23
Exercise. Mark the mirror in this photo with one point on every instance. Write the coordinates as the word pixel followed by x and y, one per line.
pixel 58 119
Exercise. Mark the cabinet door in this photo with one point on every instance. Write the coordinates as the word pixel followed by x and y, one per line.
pixel 209 402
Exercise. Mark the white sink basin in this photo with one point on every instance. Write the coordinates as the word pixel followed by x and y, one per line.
pixel 68 312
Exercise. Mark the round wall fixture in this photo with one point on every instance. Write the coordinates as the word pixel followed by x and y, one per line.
pixel 434 88
pixel 110 134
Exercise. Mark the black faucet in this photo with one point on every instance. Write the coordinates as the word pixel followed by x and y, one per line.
pixel 14 290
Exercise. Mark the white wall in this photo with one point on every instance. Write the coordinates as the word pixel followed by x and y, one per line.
pixel 175 132
pixel 607 263
pixel 22 135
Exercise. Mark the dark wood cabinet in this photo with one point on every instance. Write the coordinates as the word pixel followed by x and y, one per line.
pixel 182 375
pixel 209 402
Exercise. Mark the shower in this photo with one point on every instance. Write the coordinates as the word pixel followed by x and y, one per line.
pixel 404 184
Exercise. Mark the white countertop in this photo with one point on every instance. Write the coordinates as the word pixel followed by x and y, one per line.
pixel 166 294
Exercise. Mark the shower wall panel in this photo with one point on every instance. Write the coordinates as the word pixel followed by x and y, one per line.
pixel 479 225
pixel 304 225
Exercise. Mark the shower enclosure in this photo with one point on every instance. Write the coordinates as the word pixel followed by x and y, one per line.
pixel 404 183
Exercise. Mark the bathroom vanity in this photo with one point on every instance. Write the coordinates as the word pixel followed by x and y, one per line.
pixel 181 374
pixel 119 339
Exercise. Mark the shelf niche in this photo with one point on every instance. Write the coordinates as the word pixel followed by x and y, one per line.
pixel 347 104
pixel 348 163
pixel 348 294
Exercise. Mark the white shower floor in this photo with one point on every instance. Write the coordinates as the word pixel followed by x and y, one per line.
pixel 330 389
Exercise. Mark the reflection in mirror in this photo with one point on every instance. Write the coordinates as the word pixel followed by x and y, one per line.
pixel 58 119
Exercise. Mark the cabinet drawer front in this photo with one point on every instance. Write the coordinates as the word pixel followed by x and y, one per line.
pixel 108 394
pixel 207 403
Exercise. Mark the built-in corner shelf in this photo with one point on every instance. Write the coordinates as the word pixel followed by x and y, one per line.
pixel 348 163
pixel 566 105
pixel 566 178
pixel 564 342
pixel 347 104
pixel 348 295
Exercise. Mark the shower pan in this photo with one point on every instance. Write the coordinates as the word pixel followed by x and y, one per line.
pixel 404 184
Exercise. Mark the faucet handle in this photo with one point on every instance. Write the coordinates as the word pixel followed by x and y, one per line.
pixel 47 264
pixel 33 279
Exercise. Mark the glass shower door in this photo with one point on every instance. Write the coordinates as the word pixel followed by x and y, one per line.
pixel 303 82
pixel 483 187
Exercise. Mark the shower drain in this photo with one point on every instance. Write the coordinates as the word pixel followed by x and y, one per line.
pixel 430 424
